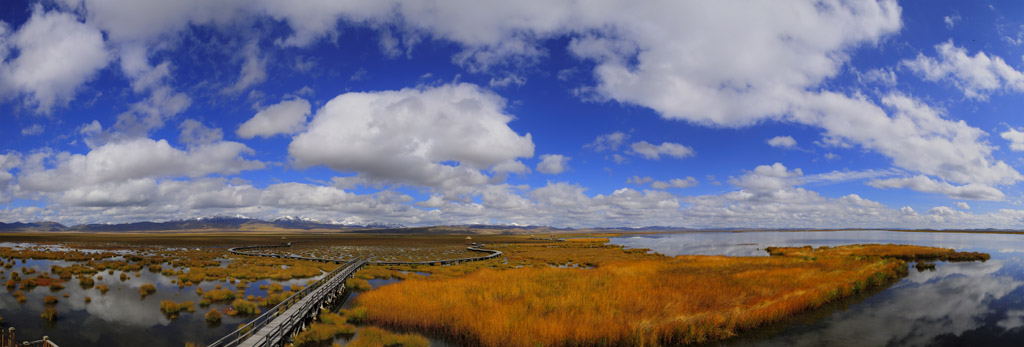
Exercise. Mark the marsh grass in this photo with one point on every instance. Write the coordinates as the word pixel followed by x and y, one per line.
pixel 646 302
pixel 171 308
pixel 213 316
pixel 49 314
pixel 328 326
pixel 246 307
pixel 147 289
pixel 374 337
pixel 217 295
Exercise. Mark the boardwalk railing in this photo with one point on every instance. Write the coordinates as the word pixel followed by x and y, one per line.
pixel 315 293
pixel 7 340
pixel 490 254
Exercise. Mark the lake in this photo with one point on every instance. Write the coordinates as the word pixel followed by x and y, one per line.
pixel 957 304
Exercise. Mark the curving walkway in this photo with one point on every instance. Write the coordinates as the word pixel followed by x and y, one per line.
pixel 278 324
pixel 475 248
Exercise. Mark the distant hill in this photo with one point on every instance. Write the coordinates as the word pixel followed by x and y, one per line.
pixel 204 223
pixel 40 226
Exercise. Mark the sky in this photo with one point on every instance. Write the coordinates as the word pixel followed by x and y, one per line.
pixel 702 114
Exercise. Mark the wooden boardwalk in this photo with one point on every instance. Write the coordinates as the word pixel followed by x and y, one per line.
pixel 278 324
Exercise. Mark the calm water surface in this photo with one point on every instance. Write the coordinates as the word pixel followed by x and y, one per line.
pixel 958 304
pixel 121 317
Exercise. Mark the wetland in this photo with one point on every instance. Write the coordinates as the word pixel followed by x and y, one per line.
pixel 738 289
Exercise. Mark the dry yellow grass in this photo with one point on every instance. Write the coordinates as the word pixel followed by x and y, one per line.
pixel 905 252
pixel 588 239
pixel 661 301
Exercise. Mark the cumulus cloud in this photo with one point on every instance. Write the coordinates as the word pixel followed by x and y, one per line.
pixel 553 164
pixel 768 178
pixel 287 117
pixel 963 205
pixel 922 183
pixel 916 137
pixel 782 142
pixel 654 152
pixel 432 136
pixel 1015 137
pixel 41 70
pixel 134 160
pixel 8 162
pixel 977 76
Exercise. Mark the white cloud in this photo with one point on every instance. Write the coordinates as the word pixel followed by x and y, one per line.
pixel 768 179
pixel 34 129
pixel 134 160
pixel 915 136
pixel 506 81
pixel 782 142
pixel 639 180
pixel 1015 137
pixel 687 182
pixel 511 166
pixel 608 141
pixel 141 119
pixel 42 69
pixel 885 77
pixel 977 76
pixel 845 176
pixel 951 20
pixel 194 133
pixel 437 137
pixel 254 69
pixel 963 205
pixel 286 117
pixel 650 151
pixel 135 64
pixel 553 164
pixel 8 162
pixel 922 183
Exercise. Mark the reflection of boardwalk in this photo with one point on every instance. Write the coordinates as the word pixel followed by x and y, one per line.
pixel 276 326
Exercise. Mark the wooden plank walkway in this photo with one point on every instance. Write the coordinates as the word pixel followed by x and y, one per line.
pixel 277 331
pixel 274 327
pixel 298 308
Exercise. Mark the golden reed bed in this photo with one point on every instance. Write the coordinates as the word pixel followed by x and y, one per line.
pixel 681 300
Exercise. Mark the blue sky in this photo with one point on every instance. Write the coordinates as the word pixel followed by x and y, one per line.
pixel 756 114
